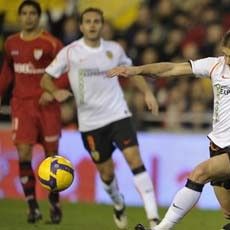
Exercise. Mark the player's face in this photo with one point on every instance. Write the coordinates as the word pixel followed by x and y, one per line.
pixel 226 52
pixel 91 26
pixel 29 18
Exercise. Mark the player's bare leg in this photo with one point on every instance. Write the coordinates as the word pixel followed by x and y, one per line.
pixel 223 196
pixel 106 170
pixel 27 180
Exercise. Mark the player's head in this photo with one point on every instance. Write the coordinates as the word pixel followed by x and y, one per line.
pixel 226 47
pixel 91 23
pixel 29 12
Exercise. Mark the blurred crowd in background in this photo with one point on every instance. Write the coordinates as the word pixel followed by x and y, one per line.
pixel 149 31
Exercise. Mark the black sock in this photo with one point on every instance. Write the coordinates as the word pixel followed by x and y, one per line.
pixel 54 198
pixel 27 180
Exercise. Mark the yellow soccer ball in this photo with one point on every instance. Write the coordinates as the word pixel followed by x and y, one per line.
pixel 56 173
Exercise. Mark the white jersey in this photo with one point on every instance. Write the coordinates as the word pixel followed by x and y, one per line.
pixel 99 99
pixel 220 77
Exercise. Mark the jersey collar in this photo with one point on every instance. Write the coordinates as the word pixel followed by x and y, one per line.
pixel 91 49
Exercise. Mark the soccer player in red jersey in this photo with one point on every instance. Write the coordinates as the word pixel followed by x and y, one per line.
pixel 36 115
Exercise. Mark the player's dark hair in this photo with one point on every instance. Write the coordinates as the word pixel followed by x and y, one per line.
pixel 32 3
pixel 226 39
pixel 92 9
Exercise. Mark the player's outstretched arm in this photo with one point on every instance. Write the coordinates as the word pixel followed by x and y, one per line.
pixel 124 71
pixel 48 84
pixel 165 69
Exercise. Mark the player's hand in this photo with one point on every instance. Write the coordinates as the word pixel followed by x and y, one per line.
pixel 151 103
pixel 46 98
pixel 62 94
pixel 122 71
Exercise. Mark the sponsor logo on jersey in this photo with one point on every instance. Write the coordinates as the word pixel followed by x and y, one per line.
pixel 38 53
pixel 109 54
pixel 91 72
pixel 222 89
pixel 27 68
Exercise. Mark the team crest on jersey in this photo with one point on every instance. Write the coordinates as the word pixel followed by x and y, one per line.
pixel 38 53
pixel 109 54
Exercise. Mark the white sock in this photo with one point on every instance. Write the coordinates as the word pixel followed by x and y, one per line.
pixel 113 192
pixel 182 203
pixel 144 186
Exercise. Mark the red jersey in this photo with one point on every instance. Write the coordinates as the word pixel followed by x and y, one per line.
pixel 25 62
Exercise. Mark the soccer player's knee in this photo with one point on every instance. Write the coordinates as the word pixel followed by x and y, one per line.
pixel 133 157
pixel 134 161
pixel 106 173
pixel 199 174
pixel 24 152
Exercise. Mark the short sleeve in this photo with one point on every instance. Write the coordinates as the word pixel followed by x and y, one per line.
pixel 59 65
pixel 123 58
pixel 203 67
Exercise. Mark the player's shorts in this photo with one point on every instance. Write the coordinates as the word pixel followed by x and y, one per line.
pixel 33 123
pixel 214 151
pixel 100 143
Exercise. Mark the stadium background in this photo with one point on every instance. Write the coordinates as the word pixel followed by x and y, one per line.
pixel 171 143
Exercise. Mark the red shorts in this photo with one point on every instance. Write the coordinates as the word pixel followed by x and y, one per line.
pixel 33 123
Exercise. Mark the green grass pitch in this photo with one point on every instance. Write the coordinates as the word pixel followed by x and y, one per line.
pixel 80 216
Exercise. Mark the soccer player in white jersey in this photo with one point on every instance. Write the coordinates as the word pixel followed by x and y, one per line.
pixel 216 169
pixel 104 117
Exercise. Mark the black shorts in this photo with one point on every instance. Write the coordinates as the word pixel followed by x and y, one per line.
pixel 100 143
pixel 214 151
